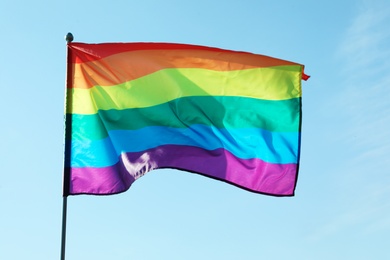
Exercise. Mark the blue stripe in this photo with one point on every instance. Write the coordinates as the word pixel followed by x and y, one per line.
pixel 247 143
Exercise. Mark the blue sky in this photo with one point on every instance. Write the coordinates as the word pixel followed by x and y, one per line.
pixel 341 209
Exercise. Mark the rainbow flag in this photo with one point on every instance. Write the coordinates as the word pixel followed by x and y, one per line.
pixel 134 107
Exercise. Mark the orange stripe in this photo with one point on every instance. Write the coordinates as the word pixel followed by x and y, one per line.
pixel 123 67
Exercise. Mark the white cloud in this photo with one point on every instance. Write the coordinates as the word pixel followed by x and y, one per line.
pixel 365 55
pixel 363 104
pixel 365 46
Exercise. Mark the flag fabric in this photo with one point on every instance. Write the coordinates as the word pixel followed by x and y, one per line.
pixel 134 107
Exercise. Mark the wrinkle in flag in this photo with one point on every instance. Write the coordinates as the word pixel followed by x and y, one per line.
pixel 135 107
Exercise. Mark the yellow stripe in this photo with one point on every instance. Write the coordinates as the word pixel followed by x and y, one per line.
pixel 273 83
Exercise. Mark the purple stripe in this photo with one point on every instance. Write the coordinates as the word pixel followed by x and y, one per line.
pixel 100 181
pixel 251 174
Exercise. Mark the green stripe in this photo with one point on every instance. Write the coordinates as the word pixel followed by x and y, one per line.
pixel 221 112
pixel 275 83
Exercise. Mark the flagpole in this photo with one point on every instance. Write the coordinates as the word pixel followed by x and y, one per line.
pixel 63 237
pixel 66 173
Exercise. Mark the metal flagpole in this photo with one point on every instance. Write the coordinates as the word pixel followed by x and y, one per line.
pixel 63 237
pixel 68 127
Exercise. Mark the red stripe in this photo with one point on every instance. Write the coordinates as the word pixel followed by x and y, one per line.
pixel 102 50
